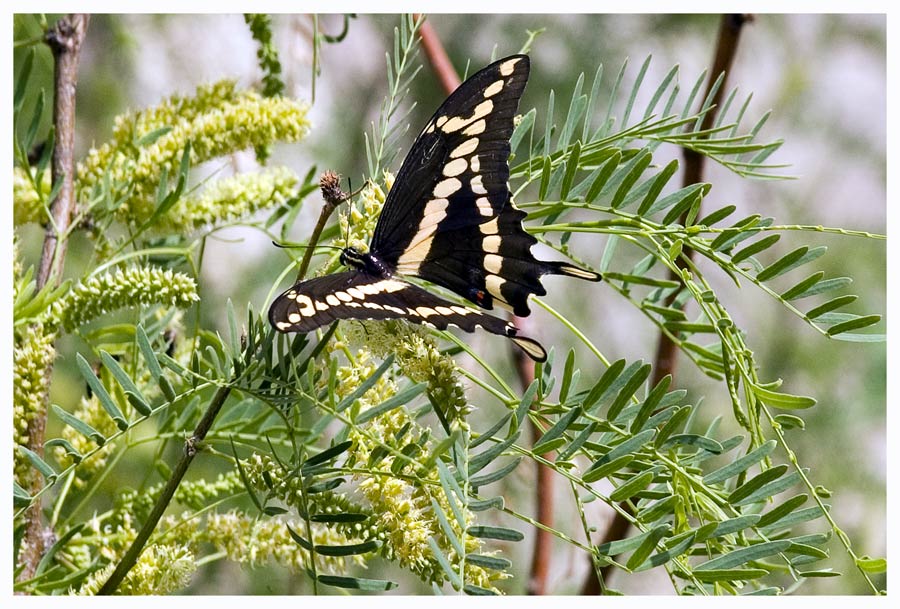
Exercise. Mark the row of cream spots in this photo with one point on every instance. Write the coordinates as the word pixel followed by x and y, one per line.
pixel 493 263
pixel 420 246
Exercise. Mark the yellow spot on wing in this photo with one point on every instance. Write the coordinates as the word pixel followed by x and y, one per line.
pixel 493 89
pixel 446 188
pixel 493 263
pixel 467 147
pixel 455 167
pixel 491 244
pixel 507 67
pixel 475 128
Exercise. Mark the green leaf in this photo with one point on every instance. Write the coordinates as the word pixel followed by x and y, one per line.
pixel 776 514
pixel 601 469
pixel 635 169
pixel 663 557
pixel 755 483
pixel 71 451
pixel 628 390
pixel 620 546
pixel 782 265
pixel 482 505
pixel 648 545
pixel 21 498
pixel 641 280
pixel 42 466
pixel 366 384
pixel 148 139
pixel 545 179
pixel 473 590
pixel 740 465
pixel 128 386
pixel 603 176
pixel 345 517
pixel 853 324
pixel 726 527
pixel 831 305
pixel 861 338
pixel 743 555
pixel 718 575
pixel 872 565
pixel 578 442
pixel 525 404
pixel 692 439
pixel 571 168
pixel 486 457
pixel 356 583
pixel 327 454
pixel 79 425
pixel 490 433
pixel 350 549
pixel 679 199
pixel 657 510
pixel 399 399
pixel 828 285
pixel 22 81
pixel 522 129
pixel 755 248
pixel 499 533
pixel 782 400
pixel 147 351
pixel 717 215
pixel 488 562
pixel 100 391
pixel 804 288
pixel 485 479
pixel 771 489
pixel 558 429
pixel 677 422
pixel 659 182
pixel 633 487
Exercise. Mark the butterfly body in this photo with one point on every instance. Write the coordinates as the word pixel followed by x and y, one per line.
pixel 449 219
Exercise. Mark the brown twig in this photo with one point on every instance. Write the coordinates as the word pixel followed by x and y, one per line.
pixel 64 40
pixel 730 27
pixel 540 560
pixel 191 446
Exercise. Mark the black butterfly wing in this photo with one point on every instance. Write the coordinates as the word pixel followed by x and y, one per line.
pixel 355 295
pixel 450 218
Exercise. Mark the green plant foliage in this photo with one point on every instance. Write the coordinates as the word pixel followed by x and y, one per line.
pixel 355 442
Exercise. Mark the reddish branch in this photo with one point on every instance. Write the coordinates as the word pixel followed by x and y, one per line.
pixel 64 40
pixel 730 27
pixel 540 563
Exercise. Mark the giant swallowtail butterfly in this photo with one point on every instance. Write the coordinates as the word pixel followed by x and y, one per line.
pixel 449 219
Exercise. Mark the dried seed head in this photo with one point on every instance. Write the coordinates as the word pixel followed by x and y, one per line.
pixel 330 183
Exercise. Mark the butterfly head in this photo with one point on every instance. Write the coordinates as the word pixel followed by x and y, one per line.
pixel 357 257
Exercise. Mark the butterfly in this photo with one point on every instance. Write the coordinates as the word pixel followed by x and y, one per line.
pixel 448 219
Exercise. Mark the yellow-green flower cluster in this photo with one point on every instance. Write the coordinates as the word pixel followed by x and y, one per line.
pixel 358 222
pixel 352 375
pixel 213 126
pixel 161 569
pixel 27 204
pixel 91 412
pixel 402 512
pixel 418 357
pixel 33 354
pixel 135 286
pixel 132 126
pixel 197 494
pixel 231 199
pixel 253 542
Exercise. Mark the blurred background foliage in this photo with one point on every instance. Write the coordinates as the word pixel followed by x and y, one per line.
pixel 824 77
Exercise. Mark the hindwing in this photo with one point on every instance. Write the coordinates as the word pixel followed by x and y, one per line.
pixel 355 295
